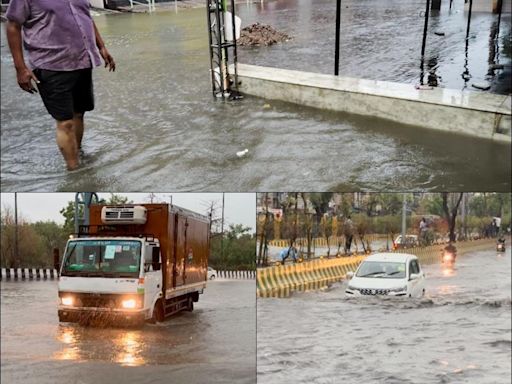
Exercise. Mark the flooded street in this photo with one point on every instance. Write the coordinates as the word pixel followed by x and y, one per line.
pixel 156 124
pixel 216 343
pixel 460 332
pixel 381 40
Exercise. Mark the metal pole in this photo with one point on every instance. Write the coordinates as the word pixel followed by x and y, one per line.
pixel 77 202
pixel 463 214
pixel 469 18
pixel 16 249
pixel 337 43
pixel 424 42
pixel 222 230
pixel 451 1
pixel 235 55
pixel 404 216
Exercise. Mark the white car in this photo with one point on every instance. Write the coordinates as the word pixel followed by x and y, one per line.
pixel 212 273
pixel 410 241
pixel 391 274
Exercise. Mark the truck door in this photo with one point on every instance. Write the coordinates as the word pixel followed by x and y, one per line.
pixel 180 236
pixel 152 274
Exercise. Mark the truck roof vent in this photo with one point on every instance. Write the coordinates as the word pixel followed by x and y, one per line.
pixel 134 214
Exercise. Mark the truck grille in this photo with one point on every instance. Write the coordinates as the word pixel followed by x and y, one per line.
pixel 374 291
pixel 98 302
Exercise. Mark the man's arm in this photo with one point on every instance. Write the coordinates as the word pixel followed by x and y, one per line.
pixel 109 60
pixel 23 74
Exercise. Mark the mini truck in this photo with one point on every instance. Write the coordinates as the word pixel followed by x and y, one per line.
pixel 134 263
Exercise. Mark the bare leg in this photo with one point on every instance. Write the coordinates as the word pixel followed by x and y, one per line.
pixel 67 142
pixel 78 122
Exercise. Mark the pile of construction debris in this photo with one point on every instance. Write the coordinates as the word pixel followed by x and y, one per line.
pixel 259 34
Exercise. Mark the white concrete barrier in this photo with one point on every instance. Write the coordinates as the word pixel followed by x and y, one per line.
pixel 475 114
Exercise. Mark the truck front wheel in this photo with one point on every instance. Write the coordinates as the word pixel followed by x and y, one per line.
pixel 158 312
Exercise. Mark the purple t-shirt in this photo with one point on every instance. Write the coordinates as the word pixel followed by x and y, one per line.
pixel 58 35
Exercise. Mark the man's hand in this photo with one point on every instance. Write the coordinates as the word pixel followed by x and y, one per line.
pixel 25 78
pixel 109 60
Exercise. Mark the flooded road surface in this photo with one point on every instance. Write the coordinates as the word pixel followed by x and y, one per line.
pixel 216 343
pixel 460 332
pixel 382 40
pixel 157 127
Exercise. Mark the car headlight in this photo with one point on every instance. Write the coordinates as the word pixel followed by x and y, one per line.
pixel 399 289
pixel 67 300
pixel 129 304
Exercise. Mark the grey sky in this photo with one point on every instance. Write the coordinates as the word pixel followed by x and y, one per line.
pixel 240 208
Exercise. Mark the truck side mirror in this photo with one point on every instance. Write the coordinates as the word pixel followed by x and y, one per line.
pixel 155 258
pixel 56 259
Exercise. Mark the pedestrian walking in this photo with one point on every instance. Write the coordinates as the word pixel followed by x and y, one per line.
pixel 63 45
pixel 348 231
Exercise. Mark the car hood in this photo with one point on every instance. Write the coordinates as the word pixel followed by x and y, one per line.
pixel 378 283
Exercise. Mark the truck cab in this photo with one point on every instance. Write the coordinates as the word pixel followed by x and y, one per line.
pixel 117 272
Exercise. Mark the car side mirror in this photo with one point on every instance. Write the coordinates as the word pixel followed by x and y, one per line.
pixel 56 259
pixel 155 258
pixel 350 275
pixel 414 276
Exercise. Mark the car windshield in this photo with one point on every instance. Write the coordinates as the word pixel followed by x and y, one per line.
pixel 382 269
pixel 107 258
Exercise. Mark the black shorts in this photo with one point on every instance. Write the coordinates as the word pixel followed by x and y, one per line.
pixel 66 92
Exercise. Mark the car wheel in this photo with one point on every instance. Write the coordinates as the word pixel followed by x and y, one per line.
pixel 212 277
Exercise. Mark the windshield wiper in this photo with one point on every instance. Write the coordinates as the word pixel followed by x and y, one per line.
pixel 393 273
pixel 372 274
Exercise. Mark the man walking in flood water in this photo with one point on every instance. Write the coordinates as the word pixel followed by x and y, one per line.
pixel 63 45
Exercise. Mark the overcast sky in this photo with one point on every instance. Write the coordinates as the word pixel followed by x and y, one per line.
pixel 240 208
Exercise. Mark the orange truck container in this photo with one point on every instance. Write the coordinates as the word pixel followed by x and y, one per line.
pixel 135 263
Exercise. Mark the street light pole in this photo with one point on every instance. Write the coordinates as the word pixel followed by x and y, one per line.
pixel 404 216
pixel 16 250
pixel 337 37
pixel 222 230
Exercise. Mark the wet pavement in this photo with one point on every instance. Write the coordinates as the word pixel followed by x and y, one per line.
pixel 460 332
pixel 156 124
pixel 382 40
pixel 216 343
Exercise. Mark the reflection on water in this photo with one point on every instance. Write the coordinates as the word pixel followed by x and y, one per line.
pixel 128 347
pixel 80 343
pixel 70 350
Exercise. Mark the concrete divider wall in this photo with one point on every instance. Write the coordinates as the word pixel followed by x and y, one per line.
pixel 28 274
pixel 232 274
pixel 281 280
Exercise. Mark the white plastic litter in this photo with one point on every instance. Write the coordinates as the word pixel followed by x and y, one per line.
pixel 242 153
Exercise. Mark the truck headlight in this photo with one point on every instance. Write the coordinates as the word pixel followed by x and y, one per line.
pixel 67 300
pixel 129 304
pixel 399 289
pixel 352 288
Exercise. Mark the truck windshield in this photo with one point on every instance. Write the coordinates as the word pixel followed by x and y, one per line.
pixel 108 258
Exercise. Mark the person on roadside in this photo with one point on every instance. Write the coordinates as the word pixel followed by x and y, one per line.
pixel 423 231
pixel 63 45
pixel 348 231
pixel 286 253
